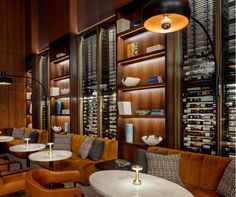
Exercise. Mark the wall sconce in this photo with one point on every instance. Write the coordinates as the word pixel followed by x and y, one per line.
pixel 137 180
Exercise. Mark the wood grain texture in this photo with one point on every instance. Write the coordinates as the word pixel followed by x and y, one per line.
pixel 91 12
pixel 59 17
pixel 12 102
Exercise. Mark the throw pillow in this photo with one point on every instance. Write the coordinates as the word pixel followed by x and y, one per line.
pixel 62 142
pixel 34 137
pixel 8 131
pixel 18 133
pixel 226 186
pixel 96 150
pixel 142 159
pixel 164 166
pixel 85 147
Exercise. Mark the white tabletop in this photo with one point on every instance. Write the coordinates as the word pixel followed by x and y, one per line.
pixel 6 138
pixel 56 156
pixel 117 183
pixel 23 148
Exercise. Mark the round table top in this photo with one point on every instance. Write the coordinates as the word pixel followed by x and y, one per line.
pixel 6 138
pixel 118 183
pixel 23 148
pixel 56 156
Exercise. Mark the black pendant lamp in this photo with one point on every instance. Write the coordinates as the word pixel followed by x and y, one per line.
pixel 165 16
pixel 4 79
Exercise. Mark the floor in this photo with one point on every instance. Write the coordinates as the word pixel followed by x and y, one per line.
pixel 86 190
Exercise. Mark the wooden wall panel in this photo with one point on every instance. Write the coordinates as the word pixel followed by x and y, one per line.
pixel 58 18
pixel 43 22
pixel 91 12
pixel 12 104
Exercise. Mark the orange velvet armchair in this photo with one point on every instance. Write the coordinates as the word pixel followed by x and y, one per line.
pixel 12 182
pixel 36 180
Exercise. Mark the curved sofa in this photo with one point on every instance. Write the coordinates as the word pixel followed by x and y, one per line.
pixel 200 173
pixel 85 166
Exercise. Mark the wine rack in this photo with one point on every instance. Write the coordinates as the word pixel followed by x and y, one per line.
pixel 108 88
pixel 199 81
pixel 199 118
pixel 90 95
pixel 99 82
pixel 229 87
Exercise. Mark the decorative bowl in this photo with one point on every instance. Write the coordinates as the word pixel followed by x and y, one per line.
pixel 152 140
pixel 56 129
pixel 65 91
pixel 142 112
pixel 130 81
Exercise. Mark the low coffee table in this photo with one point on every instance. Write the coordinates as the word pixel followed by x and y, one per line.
pixel 32 147
pixel 112 165
pixel 45 157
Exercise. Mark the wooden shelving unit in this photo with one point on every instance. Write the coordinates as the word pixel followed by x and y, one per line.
pixel 28 98
pixel 60 79
pixel 138 62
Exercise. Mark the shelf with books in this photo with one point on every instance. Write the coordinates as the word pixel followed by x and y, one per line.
pixel 141 57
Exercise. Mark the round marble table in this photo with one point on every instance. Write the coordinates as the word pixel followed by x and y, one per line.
pixel 6 138
pixel 44 156
pixel 27 149
pixel 118 183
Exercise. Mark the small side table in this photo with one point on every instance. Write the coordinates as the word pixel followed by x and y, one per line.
pixel 32 147
pixel 112 165
pixel 55 156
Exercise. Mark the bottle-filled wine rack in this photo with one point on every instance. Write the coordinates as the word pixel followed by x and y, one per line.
pixel 229 88
pixel 108 88
pixel 90 96
pixel 199 119
pixel 199 69
pixel 99 82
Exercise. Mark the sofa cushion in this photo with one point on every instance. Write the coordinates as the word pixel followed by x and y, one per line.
pixel 34 137
pixel 18 133
pixel 226 186
pixel 62 142
pixel 85 147
pixel 164 166
pixel 96 150
pixel 142 159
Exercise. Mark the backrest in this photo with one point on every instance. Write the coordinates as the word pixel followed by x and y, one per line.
pixel 110 151
pixel 43 134
pixel 76 142
pixel 199 169
pixel 110 147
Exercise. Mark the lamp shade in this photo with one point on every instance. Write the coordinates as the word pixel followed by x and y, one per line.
pixel 165 16
pixel 4 80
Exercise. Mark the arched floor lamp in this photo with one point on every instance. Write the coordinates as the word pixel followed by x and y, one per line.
pixel 6 79
pixel 166 16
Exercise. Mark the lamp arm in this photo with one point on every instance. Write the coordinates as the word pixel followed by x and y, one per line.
pixel 213 51
pixel 44 98
pixel 208 37
pixel 25 77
